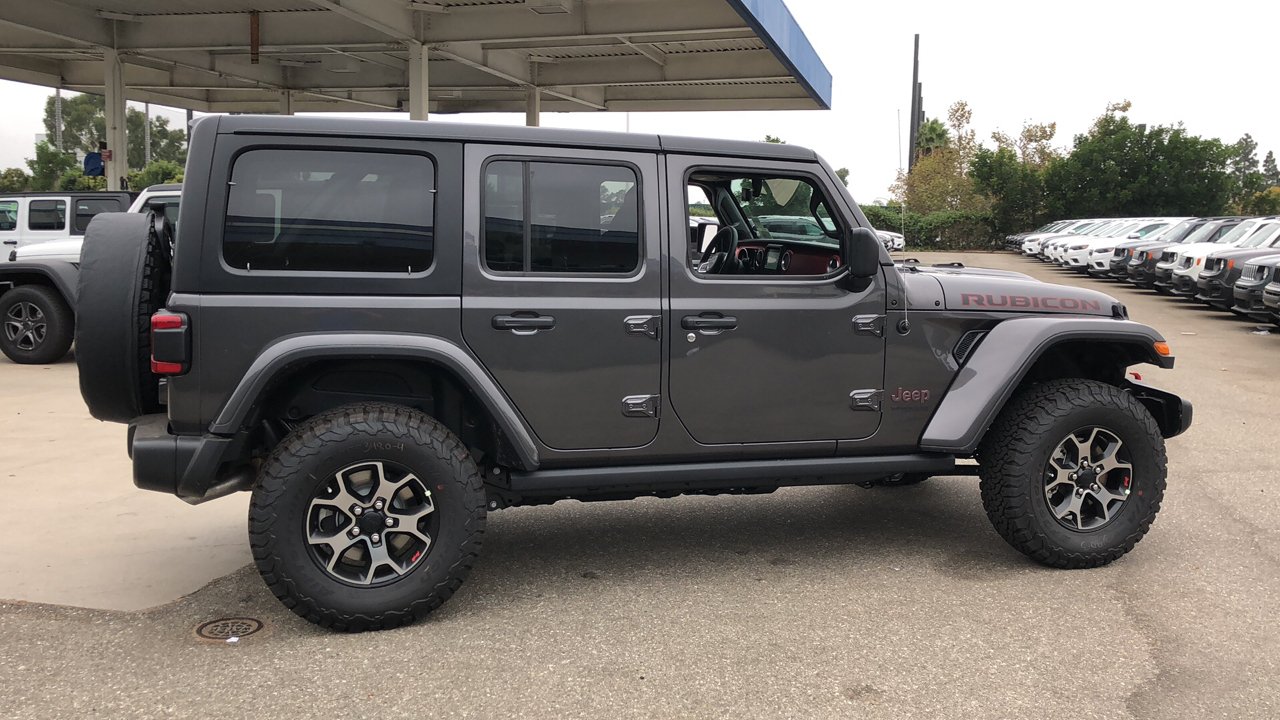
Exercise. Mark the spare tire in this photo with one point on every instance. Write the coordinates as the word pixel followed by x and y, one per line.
pixel 125 271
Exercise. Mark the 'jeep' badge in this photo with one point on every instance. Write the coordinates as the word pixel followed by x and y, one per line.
pixel 907 395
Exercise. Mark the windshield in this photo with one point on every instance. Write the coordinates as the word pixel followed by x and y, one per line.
pixel 1263 236
pixel 1240 231
pixel 1152 230
pixel 1122 230
pixel 1175 233
pixel 1199 235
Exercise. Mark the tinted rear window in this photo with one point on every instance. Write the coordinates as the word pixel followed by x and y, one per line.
pixel 86 208
pixel 333 211
pixel 47 215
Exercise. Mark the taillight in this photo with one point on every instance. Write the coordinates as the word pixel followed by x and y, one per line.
pixel 170 348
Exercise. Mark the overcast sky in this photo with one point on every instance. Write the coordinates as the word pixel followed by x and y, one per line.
pixel 1211 67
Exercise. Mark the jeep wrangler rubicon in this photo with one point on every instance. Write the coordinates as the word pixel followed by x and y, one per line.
pixel 385 330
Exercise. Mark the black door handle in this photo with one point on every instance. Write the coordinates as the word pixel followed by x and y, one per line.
pixel 523 324
pixel 708 322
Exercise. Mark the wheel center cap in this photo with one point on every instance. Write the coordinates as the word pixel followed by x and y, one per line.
pixel 372 522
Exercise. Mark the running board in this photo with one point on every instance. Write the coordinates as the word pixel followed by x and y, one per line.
pixel 694 477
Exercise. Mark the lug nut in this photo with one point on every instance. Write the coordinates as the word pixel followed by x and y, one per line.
pixel 1079 491
pixel 391 522
pixel 358 511
pixel 1094 487
pixel 1073 476
pixel 376 538
pixel 355 531
pixel 377 505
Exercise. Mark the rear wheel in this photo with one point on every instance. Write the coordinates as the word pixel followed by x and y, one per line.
pixel 1073 473
pixel 37 325
pixel 367 517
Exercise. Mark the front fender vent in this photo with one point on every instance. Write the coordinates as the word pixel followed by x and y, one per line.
pixel 967 343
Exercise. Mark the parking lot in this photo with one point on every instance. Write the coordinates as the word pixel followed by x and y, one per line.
pixel 810 602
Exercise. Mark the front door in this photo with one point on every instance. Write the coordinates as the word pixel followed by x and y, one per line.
pixel 562 289
pixel 770 340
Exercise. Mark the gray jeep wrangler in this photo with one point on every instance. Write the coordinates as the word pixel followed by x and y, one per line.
pixel 385 330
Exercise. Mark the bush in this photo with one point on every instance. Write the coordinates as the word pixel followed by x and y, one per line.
pixel 75 180
pixel 943 230
pixel 157 173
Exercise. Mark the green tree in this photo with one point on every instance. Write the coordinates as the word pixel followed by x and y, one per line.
pixel 84 124
pixel 843 174
pixel 939 180
pixel 1247 179
pixel 1266 202
pixel 1124 169
pixel 931 136
pixel 14 180
pixel 774 139
pixel 1270 172
pixel 48 166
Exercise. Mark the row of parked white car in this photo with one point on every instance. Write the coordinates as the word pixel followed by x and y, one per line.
pixel 1231 263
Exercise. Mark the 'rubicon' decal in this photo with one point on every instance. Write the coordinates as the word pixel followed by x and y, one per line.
pixel 1027 301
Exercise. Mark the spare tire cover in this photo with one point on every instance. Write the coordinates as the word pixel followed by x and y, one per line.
pixel 125 271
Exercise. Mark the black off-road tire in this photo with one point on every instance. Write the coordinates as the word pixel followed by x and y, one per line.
pixel 1014 457
pixel 125 272
pixel 56 316
pixel 309 457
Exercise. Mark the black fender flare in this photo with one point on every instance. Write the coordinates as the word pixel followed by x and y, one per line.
pixel 62 275
pixel 288 352
pixel 1002 359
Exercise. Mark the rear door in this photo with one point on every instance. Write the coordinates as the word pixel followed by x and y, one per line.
pixel 562 289
pixel 47 219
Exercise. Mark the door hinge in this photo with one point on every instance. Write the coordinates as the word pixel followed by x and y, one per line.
pixel 640 405
pixel 648 325
pixel 866 400
pixel 869 324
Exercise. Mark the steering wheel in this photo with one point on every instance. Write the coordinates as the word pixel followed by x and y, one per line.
pixel 721 253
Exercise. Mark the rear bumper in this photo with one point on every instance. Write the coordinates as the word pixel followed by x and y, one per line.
pixel 196 468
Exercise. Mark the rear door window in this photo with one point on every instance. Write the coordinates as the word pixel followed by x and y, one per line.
pixel 551 218
pixel 86 208
pixel 47 215
pixel 331 211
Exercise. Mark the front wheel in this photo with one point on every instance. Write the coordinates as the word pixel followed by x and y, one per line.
pixel 367 517
pixel 1073 473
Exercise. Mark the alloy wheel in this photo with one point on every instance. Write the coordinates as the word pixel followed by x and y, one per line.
pixel 25 326
pixel 371 523
pixel 1088 478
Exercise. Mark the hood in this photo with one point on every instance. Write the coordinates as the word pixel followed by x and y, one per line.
pixel 68 250
pixel 913 266
pixel 989 293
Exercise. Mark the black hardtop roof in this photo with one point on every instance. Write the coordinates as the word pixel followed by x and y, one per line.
pixel 512 134
pixel 72 193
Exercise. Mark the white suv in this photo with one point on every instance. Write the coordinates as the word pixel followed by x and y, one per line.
pixel 156 197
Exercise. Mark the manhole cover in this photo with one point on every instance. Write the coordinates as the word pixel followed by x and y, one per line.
pixel 227 628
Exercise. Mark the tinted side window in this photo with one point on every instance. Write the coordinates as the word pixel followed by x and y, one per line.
pixel 86 208
pixel 334 211
pixel 47 215
pixel 561 218
pixel 8 215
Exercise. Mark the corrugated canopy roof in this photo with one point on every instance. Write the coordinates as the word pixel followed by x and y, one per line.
pixel 484 55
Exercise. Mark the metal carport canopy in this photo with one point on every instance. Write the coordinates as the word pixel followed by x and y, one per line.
pixel 420 56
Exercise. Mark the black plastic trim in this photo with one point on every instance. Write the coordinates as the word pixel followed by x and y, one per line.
pixel 583 482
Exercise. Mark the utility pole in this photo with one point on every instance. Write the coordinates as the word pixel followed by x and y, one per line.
pixel 917 112
pixel 146 135
pixel 58 118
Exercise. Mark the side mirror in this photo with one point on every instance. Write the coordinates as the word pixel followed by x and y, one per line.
pixel 862 252
pixel 1134 236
